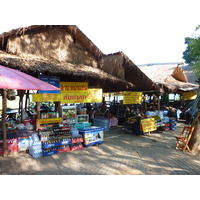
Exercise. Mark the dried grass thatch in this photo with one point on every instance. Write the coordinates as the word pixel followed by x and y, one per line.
pixel 71 29
pixel 128 71
pixel 57 50
pixel 33 65
pixel 191 77
pixel 170 77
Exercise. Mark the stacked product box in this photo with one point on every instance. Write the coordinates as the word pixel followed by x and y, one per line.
pixel 166 124
pixel 102 122
pixel 69 144
pixel 172 124
pixel 50 148
pixel 35 147
pixel 12 146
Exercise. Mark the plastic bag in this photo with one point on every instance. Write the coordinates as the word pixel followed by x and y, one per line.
pixel 20 126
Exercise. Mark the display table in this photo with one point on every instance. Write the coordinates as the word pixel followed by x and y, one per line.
pixel 92 136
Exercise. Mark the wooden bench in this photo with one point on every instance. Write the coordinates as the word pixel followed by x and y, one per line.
pixel 184 138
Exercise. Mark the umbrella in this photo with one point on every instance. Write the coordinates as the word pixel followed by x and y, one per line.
pixel 14 79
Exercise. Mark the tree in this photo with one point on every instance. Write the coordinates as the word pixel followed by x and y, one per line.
pixel 193 52
pixel 187 53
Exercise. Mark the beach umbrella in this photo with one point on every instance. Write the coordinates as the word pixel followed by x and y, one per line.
pixel 14 79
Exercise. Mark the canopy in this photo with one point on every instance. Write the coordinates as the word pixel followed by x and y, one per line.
pixel 14 79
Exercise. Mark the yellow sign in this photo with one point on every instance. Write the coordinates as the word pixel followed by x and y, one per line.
pixel 132 98
pixel 148 125
pixel 49 120
pixel 46 97
pixel 72 97
pixel 73 87
pixel 94 95
pixel 189 95
pixel 72 92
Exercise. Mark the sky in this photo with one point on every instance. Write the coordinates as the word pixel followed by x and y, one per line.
pixel 146 31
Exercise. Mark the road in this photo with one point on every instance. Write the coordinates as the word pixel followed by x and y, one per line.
pixel 121 153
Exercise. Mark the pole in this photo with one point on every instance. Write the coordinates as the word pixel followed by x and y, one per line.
pixel 3 120
pixel 158 103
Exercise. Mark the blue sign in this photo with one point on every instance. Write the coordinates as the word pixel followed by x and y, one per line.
pixel 55 81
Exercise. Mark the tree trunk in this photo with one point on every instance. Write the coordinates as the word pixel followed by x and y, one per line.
pixel 194 142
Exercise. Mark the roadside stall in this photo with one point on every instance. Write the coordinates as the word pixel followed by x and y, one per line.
pixel 132 110
pixel 60 128
pixel 70 130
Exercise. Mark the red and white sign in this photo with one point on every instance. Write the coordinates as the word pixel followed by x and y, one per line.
pixel 12 146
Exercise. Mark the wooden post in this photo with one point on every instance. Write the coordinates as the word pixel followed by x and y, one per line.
pixel 3 120
pixel 38 114
pixel 27 100
pixel 21 95
pixel 58 107
pixel 158 103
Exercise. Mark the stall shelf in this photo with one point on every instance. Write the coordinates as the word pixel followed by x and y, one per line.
pixel 57 139
pixel 68 114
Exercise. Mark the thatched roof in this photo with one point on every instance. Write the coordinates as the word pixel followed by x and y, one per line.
pixel 33 65
pixel 118 64
pixel 170 77
pixel 72 29
pixel 67 71
pixel 191 77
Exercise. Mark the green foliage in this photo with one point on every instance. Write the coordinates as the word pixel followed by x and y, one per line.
pixel 187 53
pixel 192 53
pixel 197 28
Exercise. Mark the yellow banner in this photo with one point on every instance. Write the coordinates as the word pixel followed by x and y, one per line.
pixel 72 97
pixel 189 95
pixel 49 120
pixel 46 97
pixel 72 92
pixel 132 98
pixel 73 86
pixel 148 125
pixel 94 95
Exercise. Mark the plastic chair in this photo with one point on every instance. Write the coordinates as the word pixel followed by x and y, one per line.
pixel 184 138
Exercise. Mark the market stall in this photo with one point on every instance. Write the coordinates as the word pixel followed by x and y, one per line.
pixel 68 127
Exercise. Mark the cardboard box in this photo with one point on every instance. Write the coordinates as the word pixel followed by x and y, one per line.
pixel 12 146
pixel 23 143
pixel 77 147
pixel 50 153
pixel 63 150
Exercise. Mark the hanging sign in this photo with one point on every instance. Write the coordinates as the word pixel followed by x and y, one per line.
pixel 49 120
pixel 189 95
pixel 55 81
pixel 148 125
pixel 94 96
pixel 73 97
pixel 72 92
pixel 132 98
pixel 46 97
pixel 74 87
